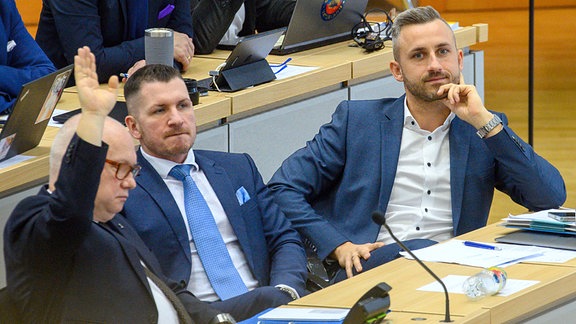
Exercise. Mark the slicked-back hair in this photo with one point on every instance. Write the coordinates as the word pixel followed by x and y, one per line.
pixel 148 74
pixel 414 16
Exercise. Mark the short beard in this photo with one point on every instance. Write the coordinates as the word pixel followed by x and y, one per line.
pixel 418 90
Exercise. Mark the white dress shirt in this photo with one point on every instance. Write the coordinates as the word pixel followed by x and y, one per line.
pixel 166 311
pixel 231 35
pixel 420 202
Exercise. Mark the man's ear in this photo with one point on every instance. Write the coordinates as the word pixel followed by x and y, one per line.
pixel 396 71
pixel 132 127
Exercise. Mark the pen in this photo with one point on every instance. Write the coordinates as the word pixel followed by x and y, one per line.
pixel 282 64
pixel 124 75
pixel 280 70
pixel 481 246
pixel 166 11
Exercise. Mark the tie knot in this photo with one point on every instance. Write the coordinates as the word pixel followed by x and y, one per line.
pixel 180 171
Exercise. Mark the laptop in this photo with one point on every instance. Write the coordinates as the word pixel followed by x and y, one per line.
pixel 316 23
pixel 246 65
pixel 119 112
pixel 543 239
pixel 31 113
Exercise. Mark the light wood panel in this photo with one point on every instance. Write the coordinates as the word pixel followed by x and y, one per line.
pixel 506 85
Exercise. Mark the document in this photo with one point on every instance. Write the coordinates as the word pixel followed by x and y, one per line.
pixel 541 221
pixel 454 285
pixel 286 71
pixel 455 251
pixel 298 315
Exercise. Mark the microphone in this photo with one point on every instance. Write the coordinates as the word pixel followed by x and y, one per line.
pixel 380 219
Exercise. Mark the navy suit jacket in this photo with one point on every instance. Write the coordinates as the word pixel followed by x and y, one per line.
pixel 330 188
pixel 272 248
pixel 102 25
pixel 63 267
pixel 24 62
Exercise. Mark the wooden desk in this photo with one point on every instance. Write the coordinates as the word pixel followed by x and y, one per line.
pixel 482 316
pixel 269 121
pixel 405 276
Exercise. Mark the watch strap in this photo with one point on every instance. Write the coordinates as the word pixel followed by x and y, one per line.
pixel 484 130
pixel 223 318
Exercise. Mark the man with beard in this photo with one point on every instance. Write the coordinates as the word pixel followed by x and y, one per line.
pixel 207 215
pixel 429 160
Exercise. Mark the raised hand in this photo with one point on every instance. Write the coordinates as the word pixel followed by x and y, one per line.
pixel 93 98
pixel 96 101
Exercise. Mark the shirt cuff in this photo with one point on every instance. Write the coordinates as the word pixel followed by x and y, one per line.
pixel 289 290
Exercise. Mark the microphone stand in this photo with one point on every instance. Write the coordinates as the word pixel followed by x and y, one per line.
pixel 379 219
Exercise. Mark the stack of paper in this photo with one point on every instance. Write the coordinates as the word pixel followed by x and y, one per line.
pixel 542 221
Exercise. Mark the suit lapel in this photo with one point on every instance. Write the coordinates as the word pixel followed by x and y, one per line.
pixel 154 186
pixel 226 193
pixel 115 228
pixel 391 126
pixel 459 149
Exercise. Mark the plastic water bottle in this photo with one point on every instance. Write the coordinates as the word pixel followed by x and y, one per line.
pixel 487 282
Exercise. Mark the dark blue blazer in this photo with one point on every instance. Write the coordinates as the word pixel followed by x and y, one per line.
pixel 273 249
pixel 25 62
pixel 330 188
pixel 102 25
pixel 63 267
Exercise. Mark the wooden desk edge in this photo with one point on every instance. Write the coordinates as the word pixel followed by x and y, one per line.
pixel 481 32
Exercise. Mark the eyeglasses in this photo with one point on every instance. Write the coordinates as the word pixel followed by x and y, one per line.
pixel 123 169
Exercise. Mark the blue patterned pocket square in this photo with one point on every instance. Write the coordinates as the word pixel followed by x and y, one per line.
pixel 242 195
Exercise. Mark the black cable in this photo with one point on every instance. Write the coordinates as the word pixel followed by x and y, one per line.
pixel 365 35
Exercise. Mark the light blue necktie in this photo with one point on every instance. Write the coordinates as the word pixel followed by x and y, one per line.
pixel 211 248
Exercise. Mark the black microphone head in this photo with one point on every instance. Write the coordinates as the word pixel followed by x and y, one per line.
pixel 378 218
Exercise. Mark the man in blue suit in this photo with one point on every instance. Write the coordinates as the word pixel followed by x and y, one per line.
pixel 113 29
pixel 429 160
pixel 69 257
pixel 265 251
pixel 21 59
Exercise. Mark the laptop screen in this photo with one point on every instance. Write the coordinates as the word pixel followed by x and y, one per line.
pixel 31 113
pixel 316 23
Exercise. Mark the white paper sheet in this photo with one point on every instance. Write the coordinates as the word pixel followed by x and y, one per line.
pixel 454 285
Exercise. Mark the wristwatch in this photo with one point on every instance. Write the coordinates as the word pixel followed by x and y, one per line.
pixel 288 291
pixel 223 318
pixel 484 130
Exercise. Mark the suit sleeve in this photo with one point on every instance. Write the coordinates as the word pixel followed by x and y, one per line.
pixel 306 175
pixel 25 62
pixel 86 18
pixel 526 177
pixel 211 19
pixel 199 311
pixel 57 225
pixel 287 255
pixel 272 14
pixel 89 18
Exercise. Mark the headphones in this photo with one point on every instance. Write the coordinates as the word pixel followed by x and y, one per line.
pixel 371 36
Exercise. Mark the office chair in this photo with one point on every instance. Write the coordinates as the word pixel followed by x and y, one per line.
pixel 318 275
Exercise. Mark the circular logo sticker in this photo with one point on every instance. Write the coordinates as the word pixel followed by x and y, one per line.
pixel 331 8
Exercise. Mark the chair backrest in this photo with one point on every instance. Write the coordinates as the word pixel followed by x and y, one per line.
pixel 8 311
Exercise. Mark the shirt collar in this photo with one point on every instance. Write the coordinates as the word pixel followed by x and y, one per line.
pixel 163 166
pixel 411 123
